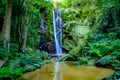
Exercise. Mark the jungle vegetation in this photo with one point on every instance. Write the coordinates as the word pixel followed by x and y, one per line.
pixel 91 34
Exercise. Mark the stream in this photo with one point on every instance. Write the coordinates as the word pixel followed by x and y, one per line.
pixel 67 71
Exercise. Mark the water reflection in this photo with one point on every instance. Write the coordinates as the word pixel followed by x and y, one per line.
pixel 67 71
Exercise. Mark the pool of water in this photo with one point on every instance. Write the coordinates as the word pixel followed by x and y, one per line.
pixel 67 71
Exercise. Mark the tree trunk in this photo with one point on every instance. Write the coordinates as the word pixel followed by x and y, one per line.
pixel 24 35
pixel 7 24
pixel 20 17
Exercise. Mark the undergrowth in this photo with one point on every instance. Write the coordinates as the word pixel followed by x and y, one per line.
pixel 103 45
pixel 18 63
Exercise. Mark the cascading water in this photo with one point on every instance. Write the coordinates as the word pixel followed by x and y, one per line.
pixel 57 24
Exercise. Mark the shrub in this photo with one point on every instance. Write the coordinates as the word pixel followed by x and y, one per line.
pixel 6 73
pixel 4 53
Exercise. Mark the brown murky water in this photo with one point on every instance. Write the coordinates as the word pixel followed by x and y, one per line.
pixel 67 71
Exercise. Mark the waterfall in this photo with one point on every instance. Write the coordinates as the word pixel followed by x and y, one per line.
pixel 57 24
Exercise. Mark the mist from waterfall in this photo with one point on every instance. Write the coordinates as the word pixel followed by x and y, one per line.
pixel 57 24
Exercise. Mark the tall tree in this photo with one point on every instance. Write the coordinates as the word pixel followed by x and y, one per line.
pixel 23 27
pixel 5 37
pixel 24 35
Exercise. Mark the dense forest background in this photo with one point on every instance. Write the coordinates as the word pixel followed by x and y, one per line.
pixel 91 34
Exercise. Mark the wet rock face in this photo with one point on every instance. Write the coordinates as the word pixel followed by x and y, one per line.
pixel 47 46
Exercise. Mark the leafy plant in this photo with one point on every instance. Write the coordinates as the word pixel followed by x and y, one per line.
pixel 11 74
pixel 115 45
pixel 83 60
pixel 30 63
pixel 100 48
pixel 4 53
pixel 37 53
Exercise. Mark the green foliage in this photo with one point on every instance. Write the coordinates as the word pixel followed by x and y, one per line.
pixel 34 19
pixel 13 48
pixel 2 7
pixel 31 59
pixel 103 44
pixel 68 44
pixel 37 53
pixel 9 52
pixel 43 55
pixel 17 63
pixel 11 74
pixel 26 61
pixel 33 38
pixel 110 61
pixel 37 7
pixel 108 3
pixel 78 17
pixel 1 10
pixel 100 48
pixel 30 63
pixel 104 40
pixel 42 4
pixel 110 15
pixel 115 45
pixel 73 58
pixel 106 52
pixel 62 3
pixel 4 53
pixel 83 60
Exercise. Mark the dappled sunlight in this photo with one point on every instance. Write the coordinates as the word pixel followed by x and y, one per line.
pixel 58 0
pixel 55 2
